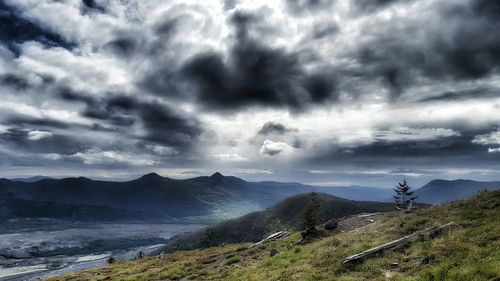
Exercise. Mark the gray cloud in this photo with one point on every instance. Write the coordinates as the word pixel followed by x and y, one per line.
pixel 273 127
pixel 361 85
pixel 16 29
pixel 456 50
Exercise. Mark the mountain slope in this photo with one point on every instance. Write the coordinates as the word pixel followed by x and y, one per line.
pixel 359 193
pixel 252 227
pixel 214 197
pixel 208 198
pixel 150 193
pixel 31 179
pixel 468 252
pixel 442 191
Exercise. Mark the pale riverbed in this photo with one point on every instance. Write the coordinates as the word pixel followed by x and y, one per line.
pixel 34 249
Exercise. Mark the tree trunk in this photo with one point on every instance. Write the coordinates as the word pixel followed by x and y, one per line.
pixel 399 243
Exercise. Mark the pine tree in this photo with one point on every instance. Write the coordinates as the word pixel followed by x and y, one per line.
pixel 403 198
pixel 111 260
pixel 311 216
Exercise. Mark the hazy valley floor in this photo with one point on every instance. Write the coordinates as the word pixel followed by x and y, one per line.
pixel 42 247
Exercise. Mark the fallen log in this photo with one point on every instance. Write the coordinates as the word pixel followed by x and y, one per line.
pixel 273 237
pixel 399 243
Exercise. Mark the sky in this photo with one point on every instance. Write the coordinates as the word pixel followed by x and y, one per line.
pixel 324 92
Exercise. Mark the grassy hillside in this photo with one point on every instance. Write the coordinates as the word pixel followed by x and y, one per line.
pixel 470 251
pixel 252 227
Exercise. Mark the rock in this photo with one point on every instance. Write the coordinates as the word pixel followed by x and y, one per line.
pixel 422 260
pixel 274 252
pixel 394 265
pixel 309 233
pixel 331 224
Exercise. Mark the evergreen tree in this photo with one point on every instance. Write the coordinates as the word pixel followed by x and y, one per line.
pixel 111 260
pixel 403 198
pixel 311 216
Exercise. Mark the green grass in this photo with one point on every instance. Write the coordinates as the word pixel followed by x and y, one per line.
pixel 470 251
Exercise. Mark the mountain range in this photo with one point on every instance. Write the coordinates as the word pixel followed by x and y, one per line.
pixel 443 191
pixel 206 198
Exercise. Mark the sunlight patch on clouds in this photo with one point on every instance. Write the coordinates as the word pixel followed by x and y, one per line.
pixel 270 148
pixel 52 156
pixel 38 135
pixel 162 150
pixel 494 150
pixel 406 134
pixel 96 156
pixel 491 138
pixel 231 157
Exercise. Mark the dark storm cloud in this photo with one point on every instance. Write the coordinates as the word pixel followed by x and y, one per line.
pixel 20 139
pixel 373 5
pixel 302 6
pixel 463 48
pixel 150 46
pixel 166 28
pixel 452 146
pixel 488 8
pixel 255 75
pixel 14 81
pixel 324 30
pixel 89 6
pixel 168 127
pixel 480 92
pixel 272 127
pixel 162 123
pixel 38 122
pixel 457 149
pixel 15 29
pixel 123 46
pixel 97 108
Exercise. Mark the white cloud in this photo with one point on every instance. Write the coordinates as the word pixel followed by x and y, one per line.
pixel 96 156
pixel 38 135
pixel 254 171
pixel 494 150
pixel 491 138
pixel 230 157
pixel 405 134
pixel 52 156
pixel 271 148
pixel 162 150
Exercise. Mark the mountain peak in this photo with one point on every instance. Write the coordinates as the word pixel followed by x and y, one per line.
pixel 151 176
pixel 217 177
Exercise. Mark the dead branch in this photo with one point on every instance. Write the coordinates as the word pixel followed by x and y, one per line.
pixel 399 243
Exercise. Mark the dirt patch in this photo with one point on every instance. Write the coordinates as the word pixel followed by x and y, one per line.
pixel 356 222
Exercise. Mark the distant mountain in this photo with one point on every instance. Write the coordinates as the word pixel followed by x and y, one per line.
pixel 31 179
pixel 253 226
pixel 442 191
pixel 208 198
pixel 214 197
pixel 360 193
